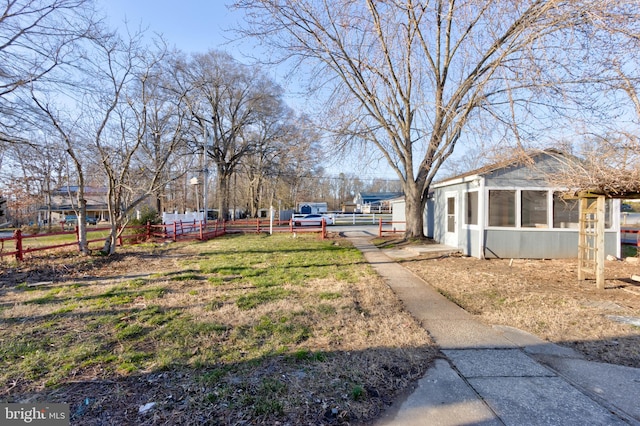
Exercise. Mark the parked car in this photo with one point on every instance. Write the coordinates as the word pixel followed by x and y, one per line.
pixel 312 220
pixel 72 219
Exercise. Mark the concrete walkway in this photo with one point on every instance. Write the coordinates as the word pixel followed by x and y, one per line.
pixel 499 375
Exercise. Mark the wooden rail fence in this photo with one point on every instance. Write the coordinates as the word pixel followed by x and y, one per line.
pixel 20 244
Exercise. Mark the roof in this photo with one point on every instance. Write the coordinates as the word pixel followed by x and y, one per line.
pixel 73 189
pixel 372 197
pixel 583 177
pixel 517 159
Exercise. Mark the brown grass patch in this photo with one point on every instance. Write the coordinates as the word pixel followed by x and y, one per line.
pixel 544 297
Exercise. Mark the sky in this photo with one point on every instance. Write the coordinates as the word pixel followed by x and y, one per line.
pixel 189 25
pixel 200 25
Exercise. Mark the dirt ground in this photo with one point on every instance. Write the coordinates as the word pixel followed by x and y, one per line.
pixel 544 297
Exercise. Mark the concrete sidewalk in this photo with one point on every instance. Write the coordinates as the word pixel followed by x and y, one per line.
pixel 499 375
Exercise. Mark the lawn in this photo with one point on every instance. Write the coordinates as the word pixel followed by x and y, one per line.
pixel 240 329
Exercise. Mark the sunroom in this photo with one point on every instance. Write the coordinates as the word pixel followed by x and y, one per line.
pixel 512 210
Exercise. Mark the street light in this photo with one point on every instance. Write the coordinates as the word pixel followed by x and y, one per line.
pixel 194 181
pixel 205 170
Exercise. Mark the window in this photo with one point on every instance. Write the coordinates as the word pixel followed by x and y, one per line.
pixel 534 209
pixel 502 208
pixel 566 213
pixel 451 214
pixel 471 216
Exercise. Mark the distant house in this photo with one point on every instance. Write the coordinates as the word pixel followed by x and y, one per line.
pixel 348 207
pixel 375 202
pixel 312 208
pixel 510 210
pixel 63 204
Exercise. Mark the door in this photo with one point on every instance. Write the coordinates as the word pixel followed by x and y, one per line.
pixel 451 231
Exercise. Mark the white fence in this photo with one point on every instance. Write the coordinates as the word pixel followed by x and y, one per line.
pixel 355 218
pixel 169 218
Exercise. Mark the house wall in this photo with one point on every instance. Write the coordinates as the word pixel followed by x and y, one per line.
pixel 507 242
pixel 399 214
pixel 517 241
pixel 466 236
pixel 539 244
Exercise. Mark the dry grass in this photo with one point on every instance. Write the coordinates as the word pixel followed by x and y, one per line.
pixel 545 298
pixel 238 330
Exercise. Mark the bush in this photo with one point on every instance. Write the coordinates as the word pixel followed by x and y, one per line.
pixel 30 229
pixel 147 214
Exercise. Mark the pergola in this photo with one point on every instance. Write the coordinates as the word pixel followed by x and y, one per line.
pixel 591 250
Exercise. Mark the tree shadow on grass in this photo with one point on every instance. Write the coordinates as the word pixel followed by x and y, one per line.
pixel 302 387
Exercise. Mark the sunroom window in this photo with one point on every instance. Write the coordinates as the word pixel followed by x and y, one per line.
pixel 566 213
pixel 502 208
pixel 534 209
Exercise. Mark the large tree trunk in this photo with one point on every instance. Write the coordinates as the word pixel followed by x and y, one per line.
pixel 415 204
pixel 224 180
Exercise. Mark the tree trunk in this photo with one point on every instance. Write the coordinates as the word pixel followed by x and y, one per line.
pixel 415 204
pixel 223 194
pixel 110 242
pixel 83 246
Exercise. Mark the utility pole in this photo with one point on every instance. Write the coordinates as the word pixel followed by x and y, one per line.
pixel 205 173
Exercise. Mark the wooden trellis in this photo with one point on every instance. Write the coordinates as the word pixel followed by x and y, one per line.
pixel 591 250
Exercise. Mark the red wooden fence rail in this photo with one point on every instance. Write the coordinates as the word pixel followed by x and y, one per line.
pixel 381 231
pixel 177 231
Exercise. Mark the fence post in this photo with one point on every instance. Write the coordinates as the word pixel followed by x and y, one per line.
pixel 201 232
pixel 175 231
pixel 18 236
pixel 148 230
pixel 324 228
pixel 258 225
pixel 380 229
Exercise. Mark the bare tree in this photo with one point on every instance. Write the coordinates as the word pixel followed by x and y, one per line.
pixel 165 143
pixel 411 77
pixel 139 130
pixel 225 100
pixel 75 146
pixel 278 134
pixel 269 134
pixel 40 166
pixel 36 36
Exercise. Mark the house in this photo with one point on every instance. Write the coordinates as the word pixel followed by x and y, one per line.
pixel 63 203
pixel 511 210
pixel 312 208
pixel 374 202
pixel 398 213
